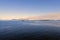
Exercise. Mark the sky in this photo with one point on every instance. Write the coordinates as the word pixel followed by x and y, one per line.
pixel 17 9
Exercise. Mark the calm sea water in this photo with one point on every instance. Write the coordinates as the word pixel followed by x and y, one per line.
pixel 29 30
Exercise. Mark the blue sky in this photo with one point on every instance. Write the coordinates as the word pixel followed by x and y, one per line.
pixel 28 7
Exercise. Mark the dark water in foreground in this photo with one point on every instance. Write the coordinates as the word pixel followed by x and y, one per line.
pixel 15 30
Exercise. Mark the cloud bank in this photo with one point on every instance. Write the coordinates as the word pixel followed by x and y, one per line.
pixel 55 16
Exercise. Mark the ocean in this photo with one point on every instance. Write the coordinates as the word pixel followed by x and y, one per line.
pixel 29 30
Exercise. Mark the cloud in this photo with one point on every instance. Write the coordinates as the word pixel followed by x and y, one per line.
pixel 52 16
pixel 55 16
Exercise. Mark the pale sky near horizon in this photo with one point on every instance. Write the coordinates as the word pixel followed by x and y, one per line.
pixel 14 9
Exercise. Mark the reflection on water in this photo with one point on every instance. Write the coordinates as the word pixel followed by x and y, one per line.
pixel 29 29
